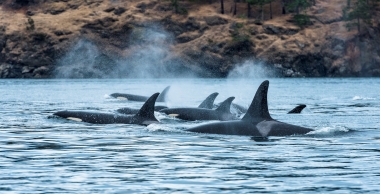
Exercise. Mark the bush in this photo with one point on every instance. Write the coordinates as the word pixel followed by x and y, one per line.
pixel 301 20
pixel 30 24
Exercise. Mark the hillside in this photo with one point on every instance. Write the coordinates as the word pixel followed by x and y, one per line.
pixel 146 38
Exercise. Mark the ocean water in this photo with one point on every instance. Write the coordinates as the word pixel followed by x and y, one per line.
pixel 43 154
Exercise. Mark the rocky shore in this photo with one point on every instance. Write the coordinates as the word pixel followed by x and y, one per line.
pixel 146 38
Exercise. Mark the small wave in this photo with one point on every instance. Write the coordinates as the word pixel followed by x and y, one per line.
pixel 160 128
pixel 330 131
pixel 362 98
pixel 107 96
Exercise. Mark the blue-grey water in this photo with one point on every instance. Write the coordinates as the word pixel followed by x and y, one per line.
pixel 40 154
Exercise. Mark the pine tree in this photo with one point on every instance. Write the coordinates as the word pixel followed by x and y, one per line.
pixel 358 14
pixel 298 6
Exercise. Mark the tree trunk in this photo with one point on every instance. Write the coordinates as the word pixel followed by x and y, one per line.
pixel 262 12
pixel 235 7
pixel 249 10
pixel 210 1
pixel 270 8
pixel 221 7
pixel 283 7
pixel 358 25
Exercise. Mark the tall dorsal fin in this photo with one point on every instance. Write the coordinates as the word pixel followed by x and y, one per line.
pixel 259 105
pixel 147 110
pixel 162 96
pixel 209 101
pixel 297 109
pixel 225 106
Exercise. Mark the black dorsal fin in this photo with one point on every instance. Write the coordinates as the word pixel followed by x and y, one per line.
pixel 225 106
pixel 209 101
pixel 162 96
pixel 259 105
pixel 147 110
pixel 297 109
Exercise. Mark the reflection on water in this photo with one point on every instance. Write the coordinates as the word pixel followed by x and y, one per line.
pixel 39 153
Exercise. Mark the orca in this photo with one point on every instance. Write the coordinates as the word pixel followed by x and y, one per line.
pixel 207 103
pixel 145 116
pixel 256 122
pixel 132 111
pixel 239 109
pixel 221 113
pixel 132 97
pixel 298 109
pixel 235 108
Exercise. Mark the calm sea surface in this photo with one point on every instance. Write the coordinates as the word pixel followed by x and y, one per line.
pixel 40 154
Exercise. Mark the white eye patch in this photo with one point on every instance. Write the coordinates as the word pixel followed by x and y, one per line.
pixel 74 119
pixel 122 98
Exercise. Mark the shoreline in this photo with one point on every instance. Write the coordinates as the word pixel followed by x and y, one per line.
pixel 117 39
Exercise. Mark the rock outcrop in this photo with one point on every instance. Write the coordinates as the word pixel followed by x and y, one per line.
pixel 114 38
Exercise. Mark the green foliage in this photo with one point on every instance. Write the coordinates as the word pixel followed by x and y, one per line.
pixel 239 25
pixel 30 24
pixel 239 33
pixel 298 5
pixel 240 37
pixel 177 8
pixel 301 19
pixel 359 12
pixel 242 16
pixel 183 11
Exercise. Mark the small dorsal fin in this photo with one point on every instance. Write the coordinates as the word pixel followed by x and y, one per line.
pixel 162 96
pixel 225 106
pixel 297 109
pixel 209 101
pixel 147 110
pixel 259 105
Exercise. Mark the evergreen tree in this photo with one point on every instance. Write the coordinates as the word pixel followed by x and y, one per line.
pixel 360 12
pixel 297 6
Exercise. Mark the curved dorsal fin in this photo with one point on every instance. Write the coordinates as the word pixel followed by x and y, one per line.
pixel 209 101
pixel 162 96
pixel 259 105
pixel 225 106
pixel 147 110
pixel 297 109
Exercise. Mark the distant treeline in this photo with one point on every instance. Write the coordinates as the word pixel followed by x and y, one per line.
pixel 356 12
